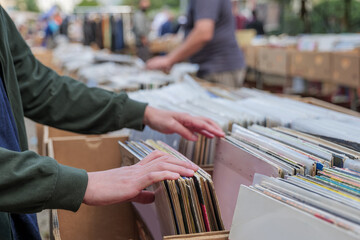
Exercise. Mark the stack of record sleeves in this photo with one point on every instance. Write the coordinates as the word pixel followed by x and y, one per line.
pixel 327 204
pixel 186 205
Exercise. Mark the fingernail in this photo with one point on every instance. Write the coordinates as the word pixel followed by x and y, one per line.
pixel 190 172
pixel 195 167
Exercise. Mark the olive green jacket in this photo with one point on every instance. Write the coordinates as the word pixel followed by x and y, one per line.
pixel 30 183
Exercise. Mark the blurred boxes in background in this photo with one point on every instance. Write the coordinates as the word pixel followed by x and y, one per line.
pixel 342 68
pixel 274 61
pixel 314 66
pixel 165 44
pixel 250 54
pixel 244 37
pixel 346 70
pixel 320 66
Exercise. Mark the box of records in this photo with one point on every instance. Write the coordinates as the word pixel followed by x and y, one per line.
pixel 346 70
pixel 325 206
pixel 183 206
pixel 273 152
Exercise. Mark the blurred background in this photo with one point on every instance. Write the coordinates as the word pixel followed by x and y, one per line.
pixel 298 48
pixel 279 16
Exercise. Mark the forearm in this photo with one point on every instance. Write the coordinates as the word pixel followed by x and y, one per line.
pixel 196 40
pixel 192 45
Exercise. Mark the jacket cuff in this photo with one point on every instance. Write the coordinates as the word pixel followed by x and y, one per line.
pixel 133 114
pixel 69 190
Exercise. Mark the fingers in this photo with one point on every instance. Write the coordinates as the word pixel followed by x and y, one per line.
pixel 182 130
pixel 145 197
pixel 152 156
pixel 212 123
pixel 173 160
pixel 155 177
pixel 200 125
pixel 159 157
pixel 206 134
pixel 150 64
pixel 183 171
pixel 160 63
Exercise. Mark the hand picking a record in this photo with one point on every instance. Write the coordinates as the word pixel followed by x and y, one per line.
pixel 127 183
pixel 181 123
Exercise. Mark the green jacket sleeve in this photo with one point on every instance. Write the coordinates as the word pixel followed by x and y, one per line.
pixel 65 103
pixel 30 183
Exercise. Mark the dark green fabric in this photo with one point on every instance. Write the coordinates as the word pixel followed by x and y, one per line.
pixel 29 182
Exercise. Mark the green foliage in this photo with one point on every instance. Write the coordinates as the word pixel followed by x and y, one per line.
pixel 292 24
pixel 88 3
pixel 328 16
pixel 156 4
pixel 27 5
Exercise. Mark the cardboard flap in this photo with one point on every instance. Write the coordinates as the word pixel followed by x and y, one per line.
pixel 93 223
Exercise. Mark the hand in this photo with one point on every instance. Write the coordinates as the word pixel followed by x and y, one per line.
pixel 127 183
pixel 160 63
pixel 144 41
pixel 181 123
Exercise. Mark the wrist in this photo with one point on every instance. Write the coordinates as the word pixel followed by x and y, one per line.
pixel 147 114
pixel 171 59
pixel 89 193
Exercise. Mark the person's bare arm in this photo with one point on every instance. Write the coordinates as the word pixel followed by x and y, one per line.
pixel 202 33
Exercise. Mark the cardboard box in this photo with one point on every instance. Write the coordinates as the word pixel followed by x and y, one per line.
pixel 346 70
pixel 165 44
pixel 299 63
pixel 93 223
pixel 120 221
pixel 251 56
pixel 275 61
pixel 220 235
pixel 244 37
pixel 319 66
pixel 313 66
pixel 45 133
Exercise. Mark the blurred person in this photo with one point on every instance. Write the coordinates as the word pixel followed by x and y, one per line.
pixel 142 29
pixel 256 24
pixel 170 26
pixel 57 17
pixel 64 26
pixel 52 28
pixel 159 19
pixel 29 182
pixel 210 42
pixel 240 20
pixel 75 30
